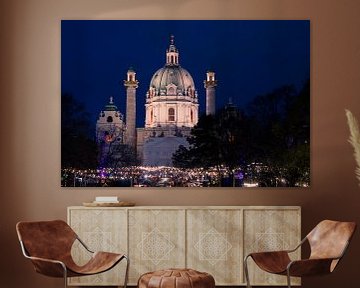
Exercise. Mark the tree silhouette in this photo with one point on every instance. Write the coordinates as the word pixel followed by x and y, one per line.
pixel 280 140
pixel 216 141
pixel 119 155
pixel 78 150
pixel 270 143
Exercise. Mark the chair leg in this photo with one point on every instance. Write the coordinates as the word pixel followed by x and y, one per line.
pixel 288 278
pixel 246 272
pixel 126 271
pixel 65 275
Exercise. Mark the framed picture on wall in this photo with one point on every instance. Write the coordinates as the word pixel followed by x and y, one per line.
pixel 180 103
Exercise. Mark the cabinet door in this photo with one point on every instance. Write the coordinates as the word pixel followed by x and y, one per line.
pixel 101 230
pixel 156 240
pixel 270 230
pixel 214 244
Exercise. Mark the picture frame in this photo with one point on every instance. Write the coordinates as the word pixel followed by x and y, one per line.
pixel 185 103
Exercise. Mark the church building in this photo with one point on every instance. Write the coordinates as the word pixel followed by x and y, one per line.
pixel 110 132
pixel 171 111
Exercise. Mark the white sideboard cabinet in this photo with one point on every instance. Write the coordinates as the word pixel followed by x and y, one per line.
pixel 211 239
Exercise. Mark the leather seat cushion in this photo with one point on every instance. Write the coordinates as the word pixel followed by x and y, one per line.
pixel 176 278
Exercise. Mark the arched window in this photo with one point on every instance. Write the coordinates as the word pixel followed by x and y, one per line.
pixel 151 116
pixel 109 119
pixel 191 116
pixel 171 114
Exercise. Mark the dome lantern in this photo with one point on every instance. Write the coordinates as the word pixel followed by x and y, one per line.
pixel 172 54
pixel 111 106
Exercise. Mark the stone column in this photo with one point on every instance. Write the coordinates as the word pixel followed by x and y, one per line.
pixel 210 84
pixel 131 84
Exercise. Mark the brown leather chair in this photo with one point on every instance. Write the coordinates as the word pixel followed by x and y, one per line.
pixel 48 245
pixel 328 242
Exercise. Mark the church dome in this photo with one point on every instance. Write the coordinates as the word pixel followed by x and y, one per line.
pixel 111 106
pixel 172 75
pixel 172 79
pixel 171 100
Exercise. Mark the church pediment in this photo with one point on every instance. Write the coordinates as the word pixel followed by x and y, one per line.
pixel 171 89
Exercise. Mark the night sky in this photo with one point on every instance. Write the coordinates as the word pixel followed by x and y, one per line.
pixel 249 58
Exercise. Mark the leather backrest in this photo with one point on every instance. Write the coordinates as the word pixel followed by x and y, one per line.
pixel 329 238
pixel 46 239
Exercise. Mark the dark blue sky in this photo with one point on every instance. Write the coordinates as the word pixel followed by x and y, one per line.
pixel 249 57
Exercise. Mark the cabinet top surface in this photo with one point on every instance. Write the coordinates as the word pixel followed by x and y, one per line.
pixel 192 207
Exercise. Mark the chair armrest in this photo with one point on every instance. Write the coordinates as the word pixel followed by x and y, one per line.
pixel 38 259
pixel 271 261
pixel 280 251
pixel 45 260
pixel 298 246
pixel 48 267
pixel 268 253
pixel 84 245
pixel 309 267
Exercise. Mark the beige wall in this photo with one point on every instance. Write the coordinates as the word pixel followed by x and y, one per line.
pixel 30 118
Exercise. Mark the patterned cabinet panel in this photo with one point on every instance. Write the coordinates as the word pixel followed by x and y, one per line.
pixel 101 230
pixel 214 244
pixel 156 240
pixel 271 229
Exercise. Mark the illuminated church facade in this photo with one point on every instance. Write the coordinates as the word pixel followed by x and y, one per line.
pixel 171 111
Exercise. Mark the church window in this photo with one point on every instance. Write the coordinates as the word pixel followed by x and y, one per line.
pixel 171 91
pixel 171 114
pixel 191 116
pixel 172 59
pixel 151 116
pixel 109 119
